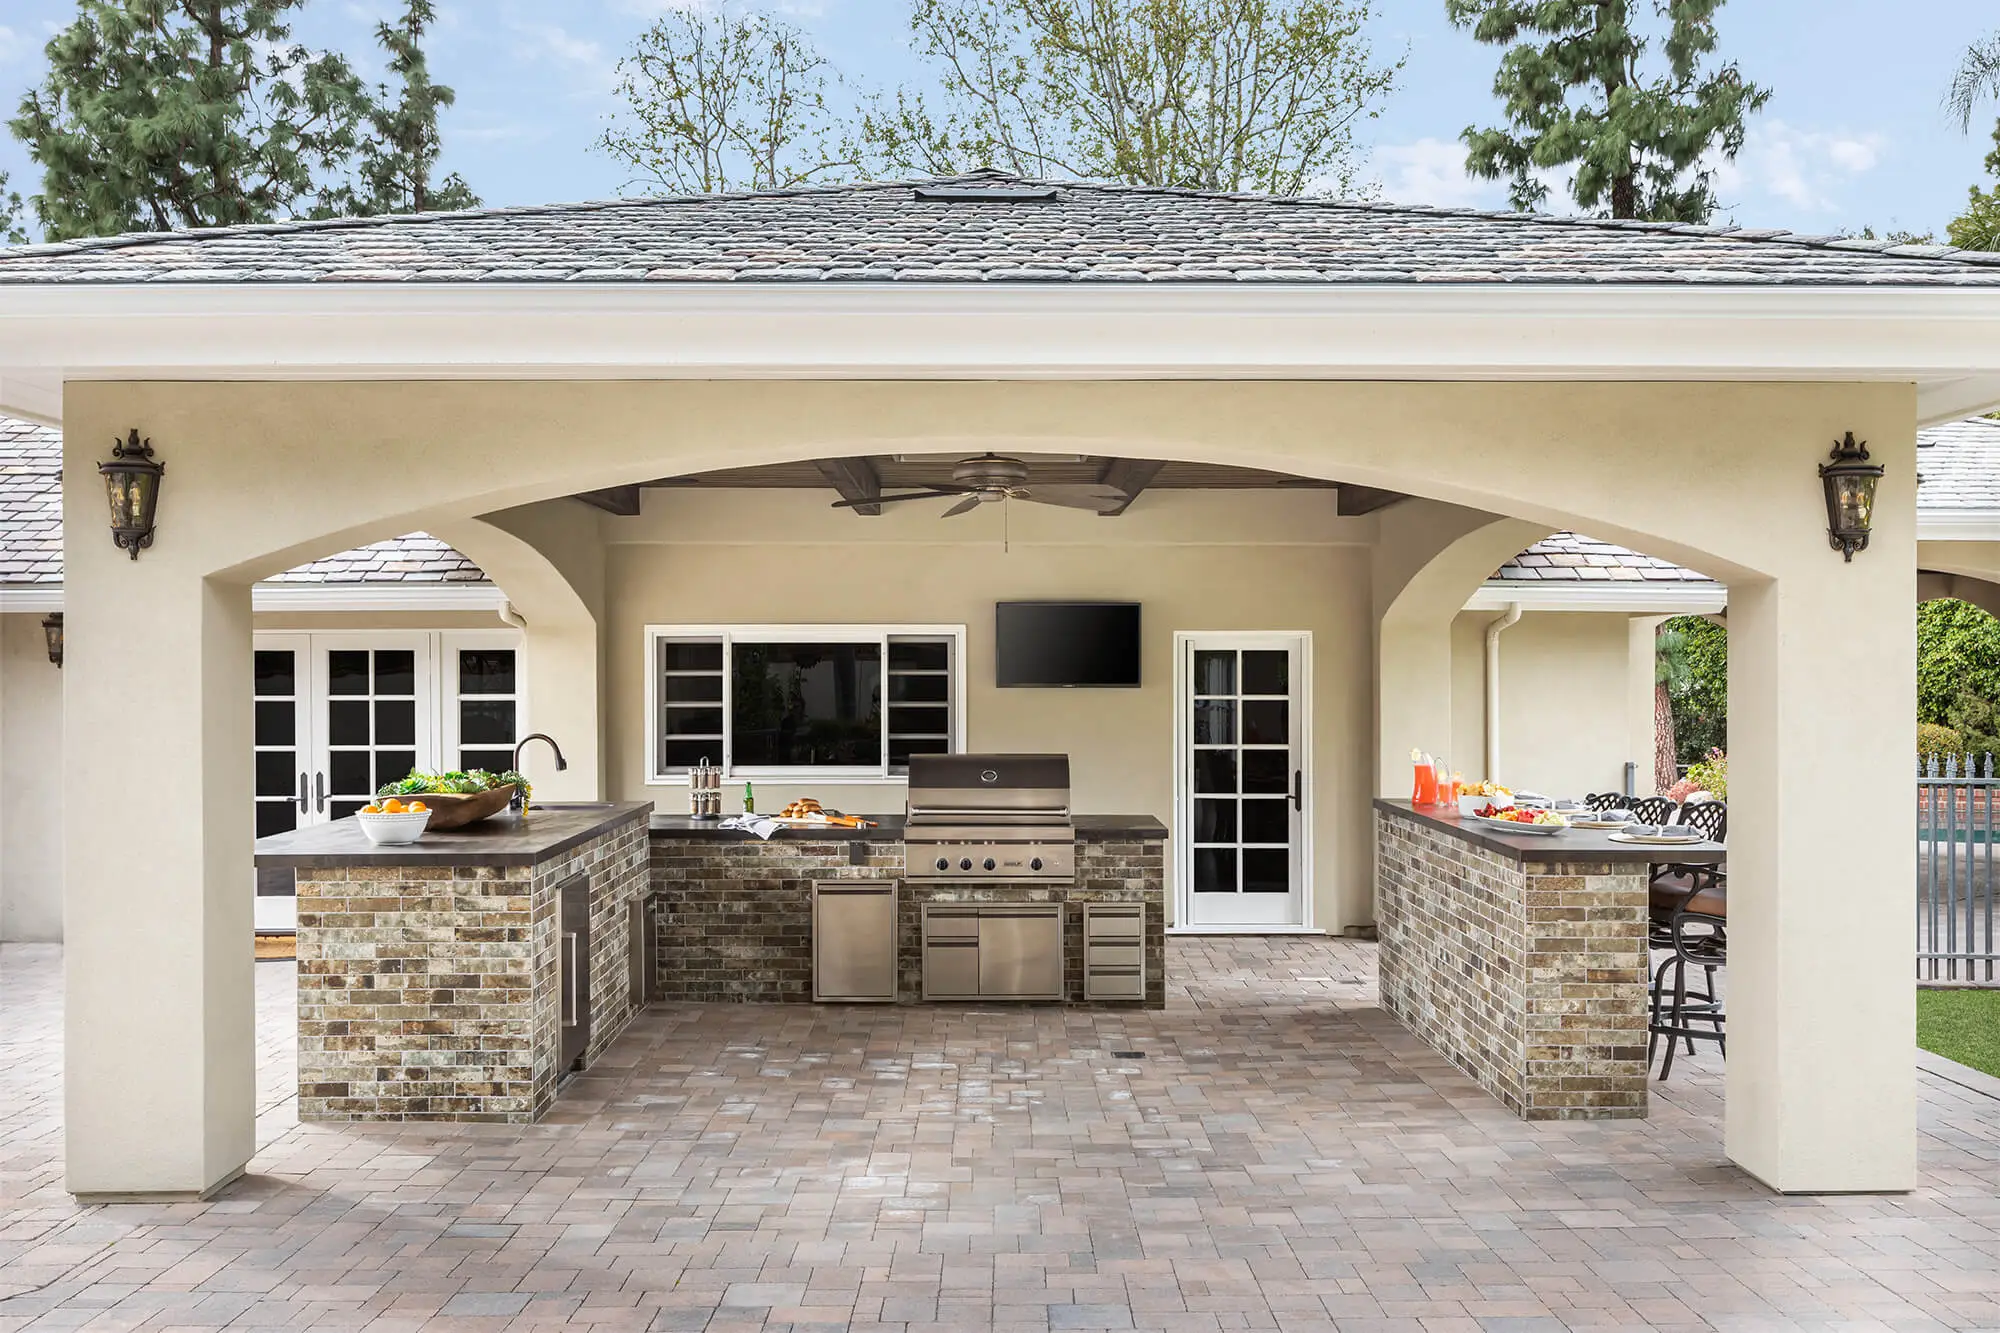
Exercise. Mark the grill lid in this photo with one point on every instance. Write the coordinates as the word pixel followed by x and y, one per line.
pixel 994 786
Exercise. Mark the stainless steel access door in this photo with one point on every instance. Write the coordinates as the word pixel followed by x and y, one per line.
pixel 854 942
pixel 573 911
pixel 1021 951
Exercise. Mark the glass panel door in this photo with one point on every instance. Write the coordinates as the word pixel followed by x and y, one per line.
pixel 374 700
pixel 1243 781
pixel 483 702
pixel 281 737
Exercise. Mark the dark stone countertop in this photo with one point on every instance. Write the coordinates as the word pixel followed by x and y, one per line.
pixel 502 840
pixel 889 828
pixel 1592 846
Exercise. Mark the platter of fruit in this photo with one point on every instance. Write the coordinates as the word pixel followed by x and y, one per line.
pixel 1540 823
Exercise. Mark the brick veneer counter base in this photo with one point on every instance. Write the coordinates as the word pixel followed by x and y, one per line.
pixel 733 913
pixel 431 991
pixel 1527 973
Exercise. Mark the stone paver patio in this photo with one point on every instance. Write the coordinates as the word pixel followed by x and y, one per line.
pixel 1284 1157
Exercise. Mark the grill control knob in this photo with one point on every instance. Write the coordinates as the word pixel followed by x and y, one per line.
pixel 989 863
pixel 943 863
pixel 966 864
pixel 1035 864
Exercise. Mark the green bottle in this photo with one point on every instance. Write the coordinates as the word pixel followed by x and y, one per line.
pixel 749 799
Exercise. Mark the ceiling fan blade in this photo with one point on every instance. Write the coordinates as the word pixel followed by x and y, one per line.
pixel 965 506
pixel 1102 499
pixel 892 499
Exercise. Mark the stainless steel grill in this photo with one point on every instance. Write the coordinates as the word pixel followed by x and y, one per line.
pixel 990 817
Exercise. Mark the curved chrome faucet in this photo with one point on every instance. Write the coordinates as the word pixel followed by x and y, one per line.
pixel 562 764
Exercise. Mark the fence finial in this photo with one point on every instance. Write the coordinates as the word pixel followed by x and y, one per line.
pixel 1950 767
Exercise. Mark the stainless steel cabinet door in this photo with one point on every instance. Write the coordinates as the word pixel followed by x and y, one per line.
pixel 1021 955
pixel 854 942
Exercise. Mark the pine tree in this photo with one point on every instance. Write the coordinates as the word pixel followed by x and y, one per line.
pixel 399 153
pixel 10 215
pixel 1640 146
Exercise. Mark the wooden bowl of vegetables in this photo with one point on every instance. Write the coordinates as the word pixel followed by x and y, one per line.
pixel 457 799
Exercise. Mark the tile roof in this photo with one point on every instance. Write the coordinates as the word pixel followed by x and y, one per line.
pixel 1958 466
pixel 31 528
pixel 1570 558
pixel 889 231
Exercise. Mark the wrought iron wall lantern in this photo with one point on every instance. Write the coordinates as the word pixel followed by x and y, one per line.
pixel 132 480
pixel 1850 481
pixel 52 630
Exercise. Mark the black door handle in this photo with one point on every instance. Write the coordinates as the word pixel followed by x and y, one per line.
pixel 1299 789
pixel 305 802
pixel 319 791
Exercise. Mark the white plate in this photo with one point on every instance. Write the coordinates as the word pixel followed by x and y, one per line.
pixel 1533 830
pixel 1592 822
pixel 1659 842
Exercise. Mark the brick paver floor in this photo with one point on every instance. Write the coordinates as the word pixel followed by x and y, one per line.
pixel 1284 1157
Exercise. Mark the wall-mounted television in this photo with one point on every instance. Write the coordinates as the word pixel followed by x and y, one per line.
pixel 1058 644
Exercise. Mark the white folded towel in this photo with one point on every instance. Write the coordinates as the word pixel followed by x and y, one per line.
pixel 761 825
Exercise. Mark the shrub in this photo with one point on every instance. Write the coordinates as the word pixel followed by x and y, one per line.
pixel 1683 789
pixel 1958 653
pixel 1936 742
pixel 1711 774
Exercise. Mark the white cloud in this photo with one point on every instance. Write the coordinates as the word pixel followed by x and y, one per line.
pixel 1432 171
pixel 13 45
pixel 1805 170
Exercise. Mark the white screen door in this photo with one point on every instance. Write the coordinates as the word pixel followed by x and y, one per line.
pixel 1245 807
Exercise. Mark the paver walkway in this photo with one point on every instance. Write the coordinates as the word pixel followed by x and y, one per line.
pixel 1285 1157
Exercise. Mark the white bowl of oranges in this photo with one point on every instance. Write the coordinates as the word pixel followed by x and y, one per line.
pixel 394 822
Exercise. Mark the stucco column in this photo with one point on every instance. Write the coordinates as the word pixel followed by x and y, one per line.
pixel 1822 739
pixel 159 1043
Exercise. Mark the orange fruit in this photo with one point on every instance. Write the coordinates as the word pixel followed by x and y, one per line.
pixel 392 806
pixel 416 807
pixel 371 809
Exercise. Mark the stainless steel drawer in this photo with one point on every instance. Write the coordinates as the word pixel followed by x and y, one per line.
pixel 952 922
pixel 1121 984
pixel 1114 955
pixel 1102 921
pixel 951 970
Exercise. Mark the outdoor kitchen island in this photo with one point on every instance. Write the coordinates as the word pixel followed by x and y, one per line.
pixel 1521 958
pixel 461 976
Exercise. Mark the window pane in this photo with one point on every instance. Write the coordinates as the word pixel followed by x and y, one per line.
pixel 687 754
pixel 691 689
pixel 277 773
pixel 1215 722
pixel 396 722
pixel 1215 821
pixel 1215 770
pixel 1266 722
pixel 919 689
pixel 486 721
pixel 347 770
pixel 347 722
pixel 1215 870
pixel 276 817
pixel 806 704
pixel 902 747
pixel 275 673
pixel 1267 821
pixel 693 721
pixel 691 655
pixel 493 761
pixel 486 671
pixel 277 723
pixel 917 655
pixel 1215 673
pixel 1267 771
pixel 1267 871
pixel 396 672
pixel 393 766
pixel 342 809
pixel 1267 672
pixel 347 672
pixel 920 721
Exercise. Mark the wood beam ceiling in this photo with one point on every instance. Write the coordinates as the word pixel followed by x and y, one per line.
pixel 1357 500
pixel 1130 475
pixel 857 479
pixel 620 500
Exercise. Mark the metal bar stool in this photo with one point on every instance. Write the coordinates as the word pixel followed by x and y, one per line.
pixel 1699 938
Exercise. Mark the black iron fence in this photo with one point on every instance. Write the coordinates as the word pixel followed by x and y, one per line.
pixel 1957 896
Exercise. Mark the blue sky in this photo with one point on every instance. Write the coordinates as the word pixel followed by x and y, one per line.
pixel 1852 137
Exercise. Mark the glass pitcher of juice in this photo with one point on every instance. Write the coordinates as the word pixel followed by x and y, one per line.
pixel 1427 782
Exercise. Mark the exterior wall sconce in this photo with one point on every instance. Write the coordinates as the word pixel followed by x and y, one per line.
pixel 52 630
pixel 132 479
pixel 1850 481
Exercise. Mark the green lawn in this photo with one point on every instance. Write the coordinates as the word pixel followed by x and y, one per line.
pixel 1961 1025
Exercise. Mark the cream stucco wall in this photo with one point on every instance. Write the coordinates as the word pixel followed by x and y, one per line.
pixel 1565 702
pixel 1195 561
pixel 31 729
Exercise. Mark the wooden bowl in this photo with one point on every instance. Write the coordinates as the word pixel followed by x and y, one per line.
pixel 451 810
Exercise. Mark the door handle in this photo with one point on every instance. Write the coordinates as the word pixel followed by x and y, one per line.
pixel 305 801
pixel 570 1005
pixel 1298 789
pixel 319 793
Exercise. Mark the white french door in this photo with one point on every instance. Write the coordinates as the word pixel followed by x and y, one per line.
pixel 337 716
pixel 1242 781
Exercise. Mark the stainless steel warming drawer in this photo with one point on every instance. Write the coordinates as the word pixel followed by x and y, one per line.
pixel 993 951
pixel 1114 951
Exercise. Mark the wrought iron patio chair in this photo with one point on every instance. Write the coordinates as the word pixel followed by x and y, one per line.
pixel 1598 802
pixel 1699 939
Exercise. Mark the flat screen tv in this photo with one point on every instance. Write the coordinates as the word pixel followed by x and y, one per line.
pixel 1057 644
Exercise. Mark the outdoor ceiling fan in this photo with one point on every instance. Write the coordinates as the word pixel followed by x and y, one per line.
pixel 990 478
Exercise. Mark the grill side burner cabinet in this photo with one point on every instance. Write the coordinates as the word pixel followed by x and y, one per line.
pixel 989 818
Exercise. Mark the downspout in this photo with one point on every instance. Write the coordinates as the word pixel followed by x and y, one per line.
pixel 512 617
pixel 1493 633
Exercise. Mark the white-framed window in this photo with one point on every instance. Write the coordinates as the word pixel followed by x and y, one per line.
pixel 827 702
pixel 485 696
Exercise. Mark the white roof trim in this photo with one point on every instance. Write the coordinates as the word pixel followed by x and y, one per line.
pixel 1651 599
pixel 1946 341
pixel 46 597
pixel 1958 525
